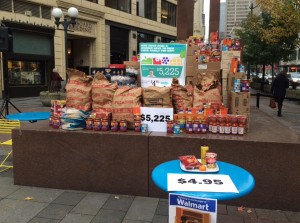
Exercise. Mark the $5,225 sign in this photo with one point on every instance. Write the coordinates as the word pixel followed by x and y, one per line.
pixel 156 118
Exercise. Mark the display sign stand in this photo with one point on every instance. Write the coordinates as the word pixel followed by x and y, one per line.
pixel 6 101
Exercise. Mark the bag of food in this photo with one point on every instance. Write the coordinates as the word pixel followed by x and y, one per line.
pixel 180 96
pixel 102 93
pixel 272 103
pixel 125 99
pixel 79 90
pixel 160 97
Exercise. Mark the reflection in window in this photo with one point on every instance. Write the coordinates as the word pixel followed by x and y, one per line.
pixel 144 38
pixel 168 13
pixel 122 5
pixel 147 9
pixel 25 72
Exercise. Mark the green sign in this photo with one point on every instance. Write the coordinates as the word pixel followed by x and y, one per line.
pixel 160 62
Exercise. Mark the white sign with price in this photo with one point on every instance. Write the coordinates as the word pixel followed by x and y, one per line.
pixel 201 182
pixel 156 118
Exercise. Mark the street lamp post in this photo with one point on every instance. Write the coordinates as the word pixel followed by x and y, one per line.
pixel 67 20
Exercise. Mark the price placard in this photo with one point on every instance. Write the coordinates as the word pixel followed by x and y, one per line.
pixel 156 118
pixel 161 62
pixel 201 182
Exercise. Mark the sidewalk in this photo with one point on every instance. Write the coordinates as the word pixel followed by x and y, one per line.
pixel 22 204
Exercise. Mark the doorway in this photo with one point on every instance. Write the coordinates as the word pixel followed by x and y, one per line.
pixel 119 45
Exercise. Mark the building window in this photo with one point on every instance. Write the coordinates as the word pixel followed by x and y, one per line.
pixel 22 72
pixel 144 38
pixel 167 40
pixel 94 1
pixel 122 5
pixel 147 9
pixel 168 13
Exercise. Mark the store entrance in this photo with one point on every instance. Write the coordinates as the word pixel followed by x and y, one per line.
pixel 119 47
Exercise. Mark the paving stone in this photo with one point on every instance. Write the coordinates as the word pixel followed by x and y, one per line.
pixel 230 219
pixel 131 221
pixel 162 207
pixel 77 218
pixel 222 209
pixel 249 220
pixel 232 210
pixel 271 214
pixel 160 219
pixel 118 202
pixel 111 216
pixel 69 198
pixel 19 211
pixel 7 187
pixel 7 173
pixel 55 211
pixel 43 220
pixel 91 203
pixel 38 194
pixel 142 209
pixel 293 216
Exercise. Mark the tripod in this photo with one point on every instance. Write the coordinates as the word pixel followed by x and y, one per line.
pixel 6 100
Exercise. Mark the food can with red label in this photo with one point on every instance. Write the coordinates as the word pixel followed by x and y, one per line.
pixel 56 122
pixel 97 124
pixel 114 126
pixel 211 159
pixel 89 124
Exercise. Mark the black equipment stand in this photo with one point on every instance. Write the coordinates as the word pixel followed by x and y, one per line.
pixel 6 100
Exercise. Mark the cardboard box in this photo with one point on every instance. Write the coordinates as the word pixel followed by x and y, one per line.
pixel 191 70
pixel 228 55
pixel 193 50
pixel 192 60
pixel 189 79
pixel 133 64
pixel 240 103
pixel 232 77
pixel 214 65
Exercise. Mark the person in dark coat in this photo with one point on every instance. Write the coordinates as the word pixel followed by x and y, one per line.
pixel 55 81
pixel 278 89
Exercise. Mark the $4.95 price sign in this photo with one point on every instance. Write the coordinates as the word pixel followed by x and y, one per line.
pixel 201 182
pixel 156 118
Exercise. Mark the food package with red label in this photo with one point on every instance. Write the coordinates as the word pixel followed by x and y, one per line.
pixel 190 162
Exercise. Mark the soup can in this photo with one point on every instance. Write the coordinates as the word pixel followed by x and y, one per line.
pixel 89 124
pixel 144 128
pixel 211 159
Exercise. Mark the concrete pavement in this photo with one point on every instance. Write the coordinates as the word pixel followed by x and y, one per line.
pixel 23 204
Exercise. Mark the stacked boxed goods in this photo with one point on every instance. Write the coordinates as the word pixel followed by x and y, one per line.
pixel 226 58
pixel 240 104
pixel 133 70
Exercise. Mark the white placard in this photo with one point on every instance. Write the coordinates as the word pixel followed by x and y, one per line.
pixel 201 182
pixel 184 208
pixel 156 118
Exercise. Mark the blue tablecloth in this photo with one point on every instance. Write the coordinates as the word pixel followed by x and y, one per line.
pixel 243 180
pixel 29 116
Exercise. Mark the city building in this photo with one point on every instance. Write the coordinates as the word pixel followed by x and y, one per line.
pixel 236 12
pixel 106 32
pixel 222 20
pixel 214 16
pixel 199 18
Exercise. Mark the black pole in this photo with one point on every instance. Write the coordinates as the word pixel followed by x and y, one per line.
pixel 66 46
pixel 257 99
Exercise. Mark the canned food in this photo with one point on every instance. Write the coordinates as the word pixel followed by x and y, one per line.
pixel 105 124
pixel 170 125
pixel 55 122
pixel 137 125
pixel 97 125
pixel 89 124
pixel 211 159
pixel 176 129
pixel 114 126
pixel 144 128
pixel 123 125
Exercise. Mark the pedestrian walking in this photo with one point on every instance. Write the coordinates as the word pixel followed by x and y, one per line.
pixel 278 89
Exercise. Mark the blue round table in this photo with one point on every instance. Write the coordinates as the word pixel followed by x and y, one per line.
pixel 29 116
pixel 243 180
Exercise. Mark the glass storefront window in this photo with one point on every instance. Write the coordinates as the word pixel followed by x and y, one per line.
pixel 147 9
pixel 122 5
pixel 144 38
pixel 168 13
pixel 25 72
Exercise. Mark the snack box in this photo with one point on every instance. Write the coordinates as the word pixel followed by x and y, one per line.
pixel 190 162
